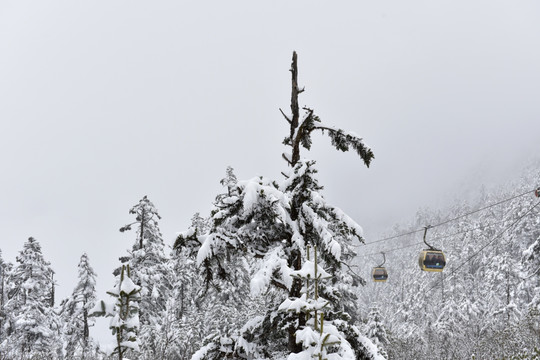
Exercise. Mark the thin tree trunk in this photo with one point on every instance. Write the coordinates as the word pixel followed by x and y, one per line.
pixel 52 291
pixel 296 292
pixel 295 110
pixel 295 259
pixel 142 230
pixel 86 332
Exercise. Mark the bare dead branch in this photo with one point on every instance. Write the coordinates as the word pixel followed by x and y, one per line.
pixel 285 116
pixel 278 284
pixel 287 160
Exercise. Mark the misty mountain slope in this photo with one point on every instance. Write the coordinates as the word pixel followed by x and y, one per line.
pixel 484 303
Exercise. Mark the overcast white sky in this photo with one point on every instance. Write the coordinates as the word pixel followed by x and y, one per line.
pixel 103 102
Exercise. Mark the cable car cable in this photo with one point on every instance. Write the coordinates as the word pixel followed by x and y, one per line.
pixel 484 208
pixel 460 266
pixel 536 190
pixel 440 237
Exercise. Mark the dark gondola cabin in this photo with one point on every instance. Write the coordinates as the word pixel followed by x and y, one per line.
pixel 379 274
pixel 432 260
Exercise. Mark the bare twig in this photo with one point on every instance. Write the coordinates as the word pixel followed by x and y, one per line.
pixel 285 116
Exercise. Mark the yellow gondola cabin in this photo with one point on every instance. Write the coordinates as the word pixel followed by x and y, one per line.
pixel 432 260
pixel 379 273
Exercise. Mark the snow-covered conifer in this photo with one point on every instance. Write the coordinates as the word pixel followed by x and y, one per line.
pixel 124 312
pixel 75 313
pixel 322 338
pixel 376 331
pixel 196 314
pixel 32 325
pixel 150 270
pixel 5 267
pixel 271 223
pixel 531 257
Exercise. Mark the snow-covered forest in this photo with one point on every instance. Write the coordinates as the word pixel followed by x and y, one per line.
pixel 274 271
pixel 224 290
pixel 484 304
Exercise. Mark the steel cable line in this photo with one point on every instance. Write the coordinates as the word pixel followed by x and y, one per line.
pixel 485 208
pixel 395 249
pixel 460 266
pixel 441 237
pixel 453 219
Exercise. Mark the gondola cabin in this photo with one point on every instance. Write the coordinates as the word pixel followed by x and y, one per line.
pixel 432 260
pixel 380 274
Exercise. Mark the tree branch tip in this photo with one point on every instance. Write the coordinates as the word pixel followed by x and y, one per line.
pixel 285 116
pixel 286 159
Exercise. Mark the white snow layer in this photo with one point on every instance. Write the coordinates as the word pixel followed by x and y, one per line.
pixel 128 286
pixel 303 304
pixel 201 353
pixel 308 271
pixel 274 260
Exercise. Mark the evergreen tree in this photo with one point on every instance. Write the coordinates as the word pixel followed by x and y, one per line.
pixel 5 268
pixel 207 311
pixel 271 223
pixel 32 325
pixel 531 257
pixel 75 313
pixel 151 272
pixel 321 338
pixel 124 312
pixel 376 331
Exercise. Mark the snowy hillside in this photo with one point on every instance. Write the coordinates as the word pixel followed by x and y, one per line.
pixel 485 303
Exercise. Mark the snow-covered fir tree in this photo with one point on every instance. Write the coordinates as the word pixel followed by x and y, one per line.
pixel 321 338
pixel 150 271
pixel 531 260
pixel 124 313
pixel 187 300
pixel 32 327
pixel 75 314
pixel 5 268
pixel 270 224
pixel 376 331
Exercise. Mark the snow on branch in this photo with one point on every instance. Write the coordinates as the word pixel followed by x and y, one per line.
pixel 274 263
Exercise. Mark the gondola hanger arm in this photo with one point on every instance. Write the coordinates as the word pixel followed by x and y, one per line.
pixel 425 242
pixel 384 260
